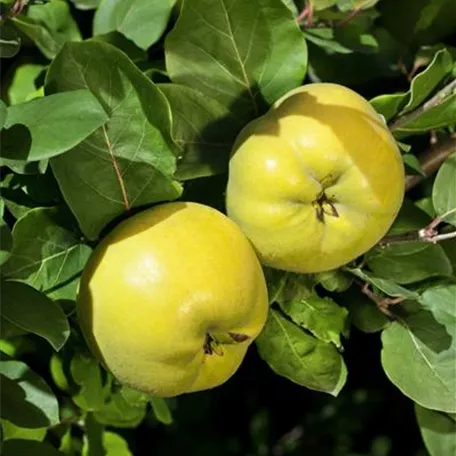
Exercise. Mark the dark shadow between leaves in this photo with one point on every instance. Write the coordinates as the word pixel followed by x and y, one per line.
pixel 16 142
pixel 15 407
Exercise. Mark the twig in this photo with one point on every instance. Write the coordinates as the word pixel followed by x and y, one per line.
pixel 15 9
pixel 426 234
pixel 437 99
pixel 383 304
pixel 307 12
pixel 349 17
pixel 431 161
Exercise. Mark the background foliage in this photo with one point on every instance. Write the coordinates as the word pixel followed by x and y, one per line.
pixel 112 106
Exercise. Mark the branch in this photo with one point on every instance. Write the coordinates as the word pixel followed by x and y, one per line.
pixel 437 99
pixel 426 234
pixel 382 304
pixel 431 161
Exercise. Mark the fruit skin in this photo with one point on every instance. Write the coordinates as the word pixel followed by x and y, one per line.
pixel 158 284
pixel 316 181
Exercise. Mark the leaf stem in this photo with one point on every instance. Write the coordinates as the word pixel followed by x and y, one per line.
pixel 437 99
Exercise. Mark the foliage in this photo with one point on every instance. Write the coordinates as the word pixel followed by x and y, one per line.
pixel 143 107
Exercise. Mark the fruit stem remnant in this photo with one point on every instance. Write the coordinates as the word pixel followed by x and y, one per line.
pixel 213 346
pixel 324 205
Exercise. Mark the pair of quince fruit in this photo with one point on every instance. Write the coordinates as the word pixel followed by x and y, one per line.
pixel 173 296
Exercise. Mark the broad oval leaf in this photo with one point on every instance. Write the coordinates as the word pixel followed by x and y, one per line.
pixel 45 252
pixel 438 430
pixel 237 52
pixel 409 262
pixel 444 190
pixel 386 286
pixel 323 317
pixel 33 312
pixel 27 401
pixel 203 129
pixel 300 357
pixel 141 21
pixel 49 26
pixel 421 346
pixel 128 161
pixel 47 120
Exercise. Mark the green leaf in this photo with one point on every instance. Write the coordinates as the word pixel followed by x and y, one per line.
pixel 421 87
pixel 124 44
pixel 141 21
pixel 27 401
pixel 319 5
pixel 86 372
pixel 47 120
pixel 440 116
pixel 93 438
pixel 45 253
pixel 444 191
pixel 33 312
pixel 6 239
pixel 363 313
pixel 28 447
pixel 161 410
pixel 412 163
pixel 97 441
pixel 421 346
pixel 203 129
pixel 121 412
pixel 49 26
pixel 115 445
pixel 324 38
pixel 23 84
pixel 300 357
pixel 237 52
pixel 335 280
pixel 409 262
pixel 126 163
pixel 11 431
pixel 386 286
pixel 3 114
pixel 424 84
pixel 438 431
pixel 10 41
pixel 321 316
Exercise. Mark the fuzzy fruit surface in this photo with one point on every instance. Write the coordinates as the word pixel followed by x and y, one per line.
pixel 172 298
pixel 316 181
